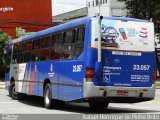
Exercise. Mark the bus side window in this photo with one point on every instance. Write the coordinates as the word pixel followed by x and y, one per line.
pixel 15 54
pixel 80 35
pixel 14 59
pixel 45 42
pixel 8 56
pixel 36 49
pixel 68 45
pixel 55 50
pixel 44 53
pixel 79 41
pixel 21 48
pixel 28 50
pixel 36 44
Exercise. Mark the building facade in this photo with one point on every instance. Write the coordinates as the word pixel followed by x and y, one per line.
pixel 106 8
pixel 82 12
pixel 93 8
pixel 25 15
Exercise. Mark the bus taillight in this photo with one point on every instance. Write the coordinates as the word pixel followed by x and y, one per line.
pixel 154 77
pixel 89 74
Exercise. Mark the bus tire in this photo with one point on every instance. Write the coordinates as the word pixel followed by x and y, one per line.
pixel 13 94
pixel 95 104
pixel 48 102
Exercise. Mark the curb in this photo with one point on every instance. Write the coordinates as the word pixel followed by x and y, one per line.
pixel 2 85
pixel 2 88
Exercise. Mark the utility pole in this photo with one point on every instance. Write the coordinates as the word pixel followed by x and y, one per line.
pixel 99 8
pixel 86 3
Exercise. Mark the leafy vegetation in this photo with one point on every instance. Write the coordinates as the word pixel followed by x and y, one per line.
pixel 4 38
pixel 144 9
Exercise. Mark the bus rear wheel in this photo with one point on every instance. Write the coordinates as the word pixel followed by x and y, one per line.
pixel 48 101
pixel 48 96
pixel 98 104
pixel 14 95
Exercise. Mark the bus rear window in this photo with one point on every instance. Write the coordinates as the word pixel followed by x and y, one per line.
pixel 119 35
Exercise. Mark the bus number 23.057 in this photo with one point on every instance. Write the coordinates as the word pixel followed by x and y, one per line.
pixel 141 67
pixel 77 68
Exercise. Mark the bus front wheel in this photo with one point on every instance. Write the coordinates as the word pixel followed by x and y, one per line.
pixel 14 95
pixel 98 104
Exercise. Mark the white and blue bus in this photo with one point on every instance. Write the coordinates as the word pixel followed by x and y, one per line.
pixel 95 59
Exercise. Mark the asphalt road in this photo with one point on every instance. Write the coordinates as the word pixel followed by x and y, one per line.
pixel 34 105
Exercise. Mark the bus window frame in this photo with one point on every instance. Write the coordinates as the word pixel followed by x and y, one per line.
pixel 45 47
pixel 27 51
pixel 60 41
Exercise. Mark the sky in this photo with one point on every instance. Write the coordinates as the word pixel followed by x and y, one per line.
pixel 62 6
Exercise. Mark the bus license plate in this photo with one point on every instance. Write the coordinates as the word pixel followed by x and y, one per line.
pixel 122 93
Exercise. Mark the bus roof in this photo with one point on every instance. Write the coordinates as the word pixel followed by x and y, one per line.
pixel 77 22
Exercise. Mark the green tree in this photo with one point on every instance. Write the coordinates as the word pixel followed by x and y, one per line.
pixel 144 9
pixel 4 38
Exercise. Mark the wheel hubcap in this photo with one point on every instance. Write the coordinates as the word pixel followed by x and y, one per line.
pixel 47 97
